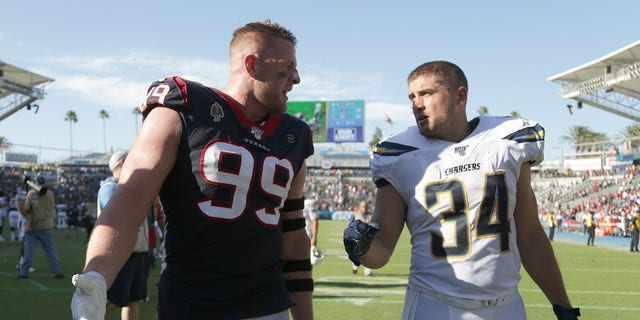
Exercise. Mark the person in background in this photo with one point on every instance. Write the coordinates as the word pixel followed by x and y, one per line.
pixel 61 215
pixel 73 220
pixel 310 213
pixel 363 214
pixel 17 221
pixel 464 190
pixel 17 225
pixel 634 227
pixel 130 285
pixel 89 216
pixel 38 209
pixel 591 227
pixel 155 234
pixel 553 223
pixel 4 211
pixel 229 167
pixel 561 216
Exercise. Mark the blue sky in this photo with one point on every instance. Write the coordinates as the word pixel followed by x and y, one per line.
pixel 103 55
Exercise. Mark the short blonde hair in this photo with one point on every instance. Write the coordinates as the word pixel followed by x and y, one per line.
pixel 445 73
pixel 266 28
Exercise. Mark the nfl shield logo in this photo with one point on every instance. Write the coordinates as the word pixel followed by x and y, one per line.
pixel 257 132
pixel 460 150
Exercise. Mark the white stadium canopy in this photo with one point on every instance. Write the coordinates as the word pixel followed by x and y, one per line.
pixel 19 88
pixel 610 83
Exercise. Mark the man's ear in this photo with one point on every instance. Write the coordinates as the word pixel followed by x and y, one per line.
pixel 250 64
pixel 462 95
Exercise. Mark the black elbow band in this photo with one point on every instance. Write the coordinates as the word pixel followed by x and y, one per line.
pixel 293 224
pixel 299 285
pixel 296 265
pixel 293 204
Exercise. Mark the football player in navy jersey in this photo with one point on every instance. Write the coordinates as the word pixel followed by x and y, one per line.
pixel 229 167
pixel 463 188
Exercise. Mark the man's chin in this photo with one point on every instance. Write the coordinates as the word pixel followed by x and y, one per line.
pixel 282 108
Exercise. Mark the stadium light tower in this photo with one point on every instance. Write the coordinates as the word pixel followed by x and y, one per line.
pixel 19 88
pixel 610 83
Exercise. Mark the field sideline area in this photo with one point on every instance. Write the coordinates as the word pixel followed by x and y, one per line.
pixel 602 280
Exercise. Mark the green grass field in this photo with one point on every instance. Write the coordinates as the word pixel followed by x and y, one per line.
pixel 603 282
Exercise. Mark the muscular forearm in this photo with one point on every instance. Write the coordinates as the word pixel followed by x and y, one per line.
pixel 303 306
pixel 109 247
pixel 296 248
pixel 540 262
pixel 377 256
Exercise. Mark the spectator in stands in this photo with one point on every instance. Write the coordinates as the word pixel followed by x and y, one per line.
pixel 38 208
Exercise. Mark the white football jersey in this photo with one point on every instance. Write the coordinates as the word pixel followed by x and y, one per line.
pixel 460 198
pixel 310 213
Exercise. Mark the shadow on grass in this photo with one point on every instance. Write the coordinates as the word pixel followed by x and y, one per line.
pixel 360 285
pixel 342 297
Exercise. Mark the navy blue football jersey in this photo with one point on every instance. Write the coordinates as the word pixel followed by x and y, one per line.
pixel 222 203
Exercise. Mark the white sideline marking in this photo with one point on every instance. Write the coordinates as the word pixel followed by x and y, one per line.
pixel 340 292
pixel 358 301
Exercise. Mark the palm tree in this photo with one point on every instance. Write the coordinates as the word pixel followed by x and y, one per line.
pixel 600 141
pixel 586 140
pixel 104 115
pixel 3 140
pixel 631 135
pixel 4 143
pixel 136 112
pixel 483 110
pixel 577 136
pixel 71 117
pixel 377 136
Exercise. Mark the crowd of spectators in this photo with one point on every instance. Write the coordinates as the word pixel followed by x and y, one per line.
pixel 613 197
pixel 339 189
pixel 75 188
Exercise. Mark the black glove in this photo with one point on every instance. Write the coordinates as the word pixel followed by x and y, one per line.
pixel 566 314
pixel 357 239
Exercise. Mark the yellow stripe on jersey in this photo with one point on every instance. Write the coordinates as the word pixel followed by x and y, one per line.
pixel 529 134
pixel 392 149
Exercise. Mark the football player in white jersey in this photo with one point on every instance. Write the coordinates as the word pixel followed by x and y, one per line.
pixel 4 211
pixel 310 213
pixel 464 190
pixel 16 220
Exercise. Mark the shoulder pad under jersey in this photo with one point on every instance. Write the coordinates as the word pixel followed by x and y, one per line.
pixel 169 92
pixel 528 134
